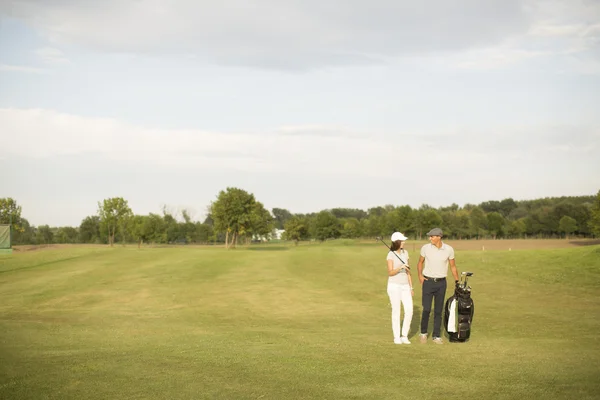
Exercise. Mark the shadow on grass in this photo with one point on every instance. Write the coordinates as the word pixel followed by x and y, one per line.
pixel 268 248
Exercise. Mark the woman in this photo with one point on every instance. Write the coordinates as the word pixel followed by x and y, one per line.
pixel 399 288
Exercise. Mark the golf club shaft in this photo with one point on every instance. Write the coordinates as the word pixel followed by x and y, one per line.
pixel 390 249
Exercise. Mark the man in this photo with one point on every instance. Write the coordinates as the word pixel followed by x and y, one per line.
pixel 436 255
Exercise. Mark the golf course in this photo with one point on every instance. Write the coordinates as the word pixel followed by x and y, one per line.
pixel 278 321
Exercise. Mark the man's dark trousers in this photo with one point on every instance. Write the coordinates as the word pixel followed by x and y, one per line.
pixel 433 290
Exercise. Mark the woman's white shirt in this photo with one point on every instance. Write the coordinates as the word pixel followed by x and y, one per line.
pixel 401 278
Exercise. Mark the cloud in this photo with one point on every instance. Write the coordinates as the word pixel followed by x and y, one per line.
pixel 295 34
pixel 311 149
pixel 37 133
pixel 79 160
pixel 51 55
pixel 563 35
pixel 22 68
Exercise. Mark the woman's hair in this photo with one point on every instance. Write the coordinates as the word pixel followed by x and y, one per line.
pixel 396 245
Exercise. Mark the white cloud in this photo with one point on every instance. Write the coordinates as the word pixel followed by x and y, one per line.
pixel 46 134
pixel 293 34
pixel 22 68
pixel 305 168
pixel 51 55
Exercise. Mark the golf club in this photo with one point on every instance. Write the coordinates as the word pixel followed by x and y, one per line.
pixel 465 277
pixel 390 249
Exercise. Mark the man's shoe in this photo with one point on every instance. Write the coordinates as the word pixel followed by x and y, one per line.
pixel 437 340
pixel 423 337
pixel 398 341
pixel 404 340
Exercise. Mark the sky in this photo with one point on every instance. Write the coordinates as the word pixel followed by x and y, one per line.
pixel 307 104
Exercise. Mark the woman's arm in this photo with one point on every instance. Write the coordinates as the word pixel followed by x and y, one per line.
pixel 391 270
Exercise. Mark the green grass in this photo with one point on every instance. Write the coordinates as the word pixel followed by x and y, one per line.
pixel 275 322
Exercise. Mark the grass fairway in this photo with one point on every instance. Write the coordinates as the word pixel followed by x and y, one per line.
pixel 276 322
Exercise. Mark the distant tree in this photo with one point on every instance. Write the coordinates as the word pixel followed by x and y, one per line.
pixel 296 229
pixel 429 218
pixel 44 235
pixel 24 235
pixel 567 225
pixel 209 220
pixel 594 222
pixel 349 213
pixel 490 206
pixel 548 220
pixel 66 234
pixel 140 228
pixel 114 213
pixel 157 229
pixel 326 226
pixel 507 206
pixel 517 228
pixel 375 225
pixel 462 224
pixel 10 212
pixel 518 213
pixel 376 211
pixel 495 224
pixel 400 219
pixel 204 233
pixel 232 213
pixel 261 221
pixel 89 230
pixel 281 217
pixel 187 228
pixel 478 222
pixel 351 228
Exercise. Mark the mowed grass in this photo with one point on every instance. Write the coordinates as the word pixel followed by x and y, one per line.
pixel 275 322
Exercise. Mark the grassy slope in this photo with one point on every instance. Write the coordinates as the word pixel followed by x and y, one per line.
pixel 284 322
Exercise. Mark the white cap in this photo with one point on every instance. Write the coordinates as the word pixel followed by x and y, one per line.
pixel 398 236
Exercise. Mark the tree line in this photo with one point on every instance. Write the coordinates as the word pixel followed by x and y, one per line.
pixel 237 217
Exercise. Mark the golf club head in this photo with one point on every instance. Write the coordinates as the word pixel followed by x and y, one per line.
pixel 467 273
pixel 378 238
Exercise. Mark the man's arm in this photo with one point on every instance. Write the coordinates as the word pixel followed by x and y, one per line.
pixel 420 269
pixel 453 269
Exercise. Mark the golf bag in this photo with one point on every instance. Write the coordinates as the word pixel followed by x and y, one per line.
pixel 459 310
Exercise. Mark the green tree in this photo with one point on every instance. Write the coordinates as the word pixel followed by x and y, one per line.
pixel 326 226
pixel 24 235
pixel 375 225
pixel 517 228
pixel 429 219
pixel 594 222
pixel 157 228
pixel 507 206
pixel 66 234
pixel 296 229
pixel 478 222
pixel 348 213
pixel 232 213
pixel 44 234
pixel 281 217
pixel 203 233
pixel 261 221
pixel 495 224
pixel 10 212
pixel 114 213
pixel 351 228
pixel 461 228
pixel 567 225
pixel 140 228
pixel 89 230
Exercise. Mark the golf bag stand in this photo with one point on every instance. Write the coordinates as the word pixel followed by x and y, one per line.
pixel 459 310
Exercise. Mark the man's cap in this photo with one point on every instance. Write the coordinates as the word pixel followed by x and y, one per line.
pixel 435 232
pixel 398 236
